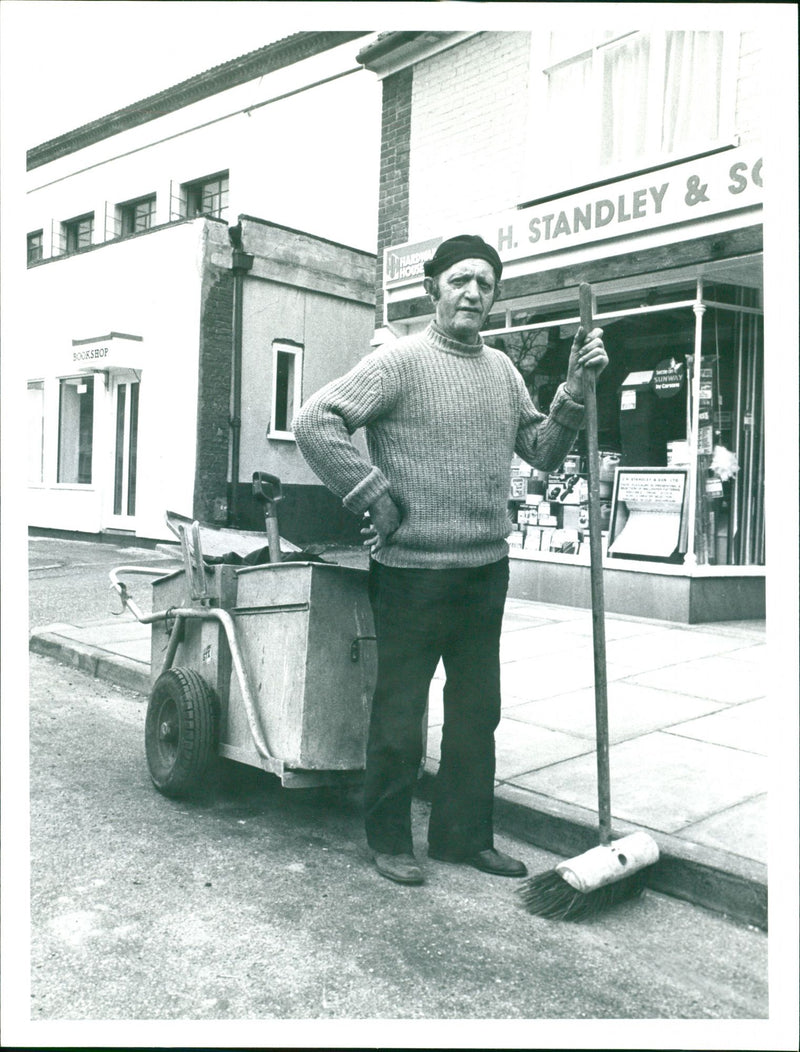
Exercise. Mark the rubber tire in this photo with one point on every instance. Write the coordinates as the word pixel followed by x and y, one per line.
pixel 181 732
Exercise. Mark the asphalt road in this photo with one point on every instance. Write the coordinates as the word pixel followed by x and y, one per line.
pixel 65 575
pixel 258 902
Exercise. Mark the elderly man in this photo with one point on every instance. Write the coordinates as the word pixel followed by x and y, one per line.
pixel 443 415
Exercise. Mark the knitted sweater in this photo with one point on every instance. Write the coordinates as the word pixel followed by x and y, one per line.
pixel 442 420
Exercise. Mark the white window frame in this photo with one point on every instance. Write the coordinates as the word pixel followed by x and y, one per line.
pixel 35 251
pixel 200 187
pixel 287 347
pixel 129 210
pixel 70 231
pixel 35 436
pixel 79 380
pixel 581 160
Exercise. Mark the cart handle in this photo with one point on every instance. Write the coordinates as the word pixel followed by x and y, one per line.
pixel 122 591
pixel 181 614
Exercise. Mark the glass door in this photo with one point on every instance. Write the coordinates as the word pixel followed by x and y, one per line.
pixel 125 400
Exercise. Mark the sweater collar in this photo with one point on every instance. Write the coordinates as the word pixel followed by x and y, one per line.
pixel 451 346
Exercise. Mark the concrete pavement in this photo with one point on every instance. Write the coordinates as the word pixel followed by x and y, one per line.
pixel 688 718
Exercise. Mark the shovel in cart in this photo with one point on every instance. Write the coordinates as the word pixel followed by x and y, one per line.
pixel 267 488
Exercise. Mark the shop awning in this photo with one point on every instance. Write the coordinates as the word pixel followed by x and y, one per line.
pixel 114 351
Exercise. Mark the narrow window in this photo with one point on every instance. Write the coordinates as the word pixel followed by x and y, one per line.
pixel 35 244
pixel 36 431
pixel 287 369
pixel 119 449
pixel 75 426
pixel 133 443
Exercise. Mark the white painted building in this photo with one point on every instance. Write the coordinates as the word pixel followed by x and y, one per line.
pixel 169 273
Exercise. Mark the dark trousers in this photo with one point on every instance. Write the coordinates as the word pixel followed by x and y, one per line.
pixel 422 616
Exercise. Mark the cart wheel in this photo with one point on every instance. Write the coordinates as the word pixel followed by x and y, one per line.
pixel 180 733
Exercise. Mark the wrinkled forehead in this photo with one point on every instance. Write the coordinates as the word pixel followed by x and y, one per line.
pixel 470 268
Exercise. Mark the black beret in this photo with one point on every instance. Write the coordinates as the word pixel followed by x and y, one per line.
pixel 463 246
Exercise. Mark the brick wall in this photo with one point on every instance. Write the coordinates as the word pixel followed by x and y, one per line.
pixel 749 89
pixel 470 107
pixel 395 151
pixel 214 391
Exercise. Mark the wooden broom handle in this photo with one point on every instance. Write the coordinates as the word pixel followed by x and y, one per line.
pixel 596 576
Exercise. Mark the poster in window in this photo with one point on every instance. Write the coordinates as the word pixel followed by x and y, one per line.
pixel 649 513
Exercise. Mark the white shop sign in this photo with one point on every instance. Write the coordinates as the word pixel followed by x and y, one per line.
pixel 115 351
pixel 686 192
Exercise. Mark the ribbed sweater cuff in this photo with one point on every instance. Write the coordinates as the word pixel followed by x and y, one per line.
pixel 366 492
pixel 565 410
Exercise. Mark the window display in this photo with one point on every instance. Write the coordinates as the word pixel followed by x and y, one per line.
pixel 683 389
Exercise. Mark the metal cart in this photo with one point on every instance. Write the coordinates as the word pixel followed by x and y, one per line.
pixel 270 665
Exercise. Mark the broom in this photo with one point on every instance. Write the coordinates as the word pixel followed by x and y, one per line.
pixel 613 871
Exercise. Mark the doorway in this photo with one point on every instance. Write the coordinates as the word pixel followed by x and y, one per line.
pixel 125 402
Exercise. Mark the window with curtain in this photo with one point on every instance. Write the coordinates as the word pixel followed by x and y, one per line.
pixel 630 99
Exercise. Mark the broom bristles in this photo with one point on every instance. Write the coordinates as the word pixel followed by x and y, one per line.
pixel 549 895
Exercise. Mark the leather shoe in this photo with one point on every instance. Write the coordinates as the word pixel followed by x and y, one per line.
pixel 491 861
pixel 488 861
pixel 402 869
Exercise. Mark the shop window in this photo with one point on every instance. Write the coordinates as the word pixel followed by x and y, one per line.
pixel 287 371
pixel 660 411
pixel 635 98
pixel 36 431
pixel 135 216
pixel 205 197
pixel 35 246
pixel 77 233
pixel 75 427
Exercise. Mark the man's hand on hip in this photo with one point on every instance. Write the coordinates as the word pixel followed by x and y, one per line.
pixel 382 520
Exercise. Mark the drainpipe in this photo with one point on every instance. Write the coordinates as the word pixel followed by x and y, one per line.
pixel 241 264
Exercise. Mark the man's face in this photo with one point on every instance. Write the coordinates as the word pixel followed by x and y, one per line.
pixel 466 292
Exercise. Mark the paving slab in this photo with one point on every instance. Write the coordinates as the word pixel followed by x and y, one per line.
pixel 107 634
pixel 723 679
pixel 615 627
pixel 741 829
pixel 753 652
pixel 551 640
pixel 743 726
pixel 520 748
pixel 551 611
pixel 513 620
pixel 661 780
pixel 668 647
pixel 632 711
pixel 540 678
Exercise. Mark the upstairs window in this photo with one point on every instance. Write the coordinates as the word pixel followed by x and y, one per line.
pixel 35 246
pixel 205 197
pixel 75 430
pixel 287 372
pixel 135 216
pixel 77 233
pixel 628 100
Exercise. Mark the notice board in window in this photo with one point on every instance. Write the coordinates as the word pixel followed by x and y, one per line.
pixel 649 513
